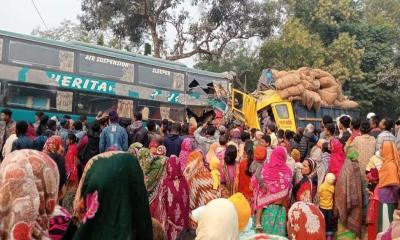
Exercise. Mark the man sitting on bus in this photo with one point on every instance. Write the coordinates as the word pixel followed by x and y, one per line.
pixel 113 136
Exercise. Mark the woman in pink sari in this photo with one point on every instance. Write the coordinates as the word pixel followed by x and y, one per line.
pixel 337 157
pixel 174 200
pixel 186 149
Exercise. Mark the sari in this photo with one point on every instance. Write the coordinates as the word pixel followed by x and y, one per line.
pixel 71 164
pixel 244 185
pixel 337 157
pixel 54 148
pixel 305 222
pixel 229 180
pixel 59 222
pixel 305 188
pixel 174 200
pixel 186 148
pixel 28 194
pixel 111 200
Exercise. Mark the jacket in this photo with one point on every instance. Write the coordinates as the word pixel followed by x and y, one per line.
pixel 63 133
pixel 205 142
pixel 113 135
pixel 138 133
pixel 306 144
pixel 22 142
pixel 173 145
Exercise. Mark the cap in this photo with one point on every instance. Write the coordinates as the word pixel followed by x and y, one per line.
pixel 370 115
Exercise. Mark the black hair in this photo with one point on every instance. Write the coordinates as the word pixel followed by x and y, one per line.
pixel 230 155
pixel 7 112
pixel 297 137
pixel 365 127
pixel 78 125
pixel 356 123
pixel 249 150
pixel 176 127
pixel 327 119
pixel 72 137
pixel 39 114
pixel 151 125
pixel 325 147
pixel 253 131
pixel 272 127
pixel 67 117
pixel 42 126
pixel 267 139
pixel 281 134
pixel 223 140
pixel 21 128
pixel 138 116
pixel 345 121
pixel 289 134
pixel 388 123
pixel 185 129
pixel 211 130
pixel 52 124
pixel 245 136
pixel 375 120
pixel 331 127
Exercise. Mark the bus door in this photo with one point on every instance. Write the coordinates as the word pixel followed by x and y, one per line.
pixel 284 116
pixel 244 108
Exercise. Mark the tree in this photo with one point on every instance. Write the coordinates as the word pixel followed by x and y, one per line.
pixel 219 23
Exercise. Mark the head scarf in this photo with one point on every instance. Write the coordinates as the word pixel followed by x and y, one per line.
pixel 243 209
pixel 389 173
pixel 218 221
pixel 305 221
pixel 134 148
pixel 260 153
pixel 161 151
pixel 112 177
pixel 53 144
pixel 277 177
pixel 337 157
pixel 212 151
pixel 186 148
pixel 174 200
pixel 144 156
pixel 153 146
pixel 28 194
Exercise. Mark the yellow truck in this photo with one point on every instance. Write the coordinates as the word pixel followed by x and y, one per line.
pixel 288 115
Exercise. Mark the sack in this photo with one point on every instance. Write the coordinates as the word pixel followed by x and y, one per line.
pixel 307 85
pixel 291 91
pixel 327 96
pixel 310 99
pixel 295 98
pixel 316 85
pixel 327 82
pixel 321 73
pixel 281 74
pixel 349 104
pixel 287 81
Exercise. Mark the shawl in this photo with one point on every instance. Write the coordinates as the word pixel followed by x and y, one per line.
pixel 277 177
pixel 218 221
pixel 8 145
pixel 243 209
pixel 305 222
pixel 53 145
pixel 59 223
pixel 28 194
pixel 390 170
pixel 134 148
pixel 110 182
pixel 349 196
pixel 337 157
pixel 153 175
pixel 71 163
pixel 145 157
pixel 174 200
pixel 199 181
pixel 186 148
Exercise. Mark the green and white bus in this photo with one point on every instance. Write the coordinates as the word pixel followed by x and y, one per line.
pixel 76 78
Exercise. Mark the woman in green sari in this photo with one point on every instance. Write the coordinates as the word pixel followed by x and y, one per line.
pixel 111 201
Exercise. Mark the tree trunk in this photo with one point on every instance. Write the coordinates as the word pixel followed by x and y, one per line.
pixel 156 41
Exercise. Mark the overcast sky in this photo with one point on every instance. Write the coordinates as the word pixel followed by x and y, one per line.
pixel 20 15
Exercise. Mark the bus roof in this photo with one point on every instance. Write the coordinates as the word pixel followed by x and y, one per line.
pixel 101 50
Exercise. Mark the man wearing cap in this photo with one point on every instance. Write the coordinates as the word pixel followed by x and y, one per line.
pixel 113 136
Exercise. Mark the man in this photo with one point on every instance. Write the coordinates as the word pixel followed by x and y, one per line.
pixel 38 117
pixel 78 130
pixel 211 136
pixel 113 136
pixel 7 126
pixel 83 119
pixel 271 128
pixel 153 133
pixel 344 128
pixel 386 126
pixel 355 129
pixel 23 141
pixel 307 141
pixel 137 132
pixel 64 130
pixel 173 141
pixel 51 128
pixel 325 120
pixel 375 130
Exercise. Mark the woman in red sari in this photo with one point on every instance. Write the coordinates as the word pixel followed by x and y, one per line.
pixel 174 200
pixel 244 174
pixel 71 161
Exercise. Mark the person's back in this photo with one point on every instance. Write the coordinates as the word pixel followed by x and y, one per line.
pixel 114 135
pixel 307 142
pixel 23 141
pixel 137 132
pixel 173 141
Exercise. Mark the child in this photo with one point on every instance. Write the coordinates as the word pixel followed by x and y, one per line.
pixel 266 142
pixel 326 155
pixel 326 191
pixel 260 153
pixel 71 160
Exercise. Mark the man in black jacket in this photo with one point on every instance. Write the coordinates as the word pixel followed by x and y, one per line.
pixel 23 141
pixel 137 132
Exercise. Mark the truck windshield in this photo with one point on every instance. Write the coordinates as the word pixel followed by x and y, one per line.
pixel 282 111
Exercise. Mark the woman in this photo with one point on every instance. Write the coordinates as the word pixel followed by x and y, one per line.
pixel 348 198
pixel 305 189
pixel 199 181
pixel 219 221
pixel 29 180
pixel 337 157
pixel 389 182
pixel 54 149
pixel 212 151
pixel 372 174
pixel 174 200
pixel 112 181
pixel 244 174
pixel 277 179
pixel 186 148
pixel 229 172
pixel 91 147
pixel 305 222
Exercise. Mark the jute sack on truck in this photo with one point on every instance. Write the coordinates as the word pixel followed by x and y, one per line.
pixel 328 96
pixel 310 99
pixel 307 85
pixel 290 79
pixel 327 82
pixel 319 73
pixel 291 91
pixel 348 104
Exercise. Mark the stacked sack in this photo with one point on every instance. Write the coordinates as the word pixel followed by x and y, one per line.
pixel 313 87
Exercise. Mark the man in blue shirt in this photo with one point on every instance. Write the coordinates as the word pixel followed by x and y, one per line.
pixel 23 141
pixel 113 136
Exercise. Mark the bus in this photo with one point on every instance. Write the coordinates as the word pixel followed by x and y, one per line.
pixel 74 78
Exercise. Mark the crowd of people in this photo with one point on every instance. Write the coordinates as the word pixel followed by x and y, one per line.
pixel 109 179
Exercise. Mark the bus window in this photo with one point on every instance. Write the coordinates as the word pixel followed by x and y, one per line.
pixel 92 104
pixel 64 101
pixel 177 114
pixel 282 111
pixel 149 108
pixel 32 97
pixel 41 56
pixel 162 78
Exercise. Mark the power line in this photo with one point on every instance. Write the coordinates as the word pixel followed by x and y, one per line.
pixel 40 15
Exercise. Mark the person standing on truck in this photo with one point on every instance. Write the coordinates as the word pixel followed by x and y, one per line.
pixel 271 129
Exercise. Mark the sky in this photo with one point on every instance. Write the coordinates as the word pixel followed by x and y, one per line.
pixel 20 15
